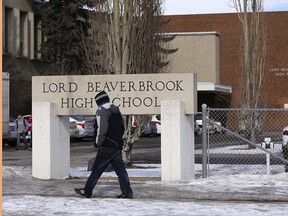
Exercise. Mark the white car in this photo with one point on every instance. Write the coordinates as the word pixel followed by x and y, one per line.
pixel 74 132
pixel 211 127
pixel 156 119
pixel 154 126
pixel 285 136
pixel 85 127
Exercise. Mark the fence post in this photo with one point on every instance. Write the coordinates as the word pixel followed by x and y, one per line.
pixel 268 163
pixel 204 142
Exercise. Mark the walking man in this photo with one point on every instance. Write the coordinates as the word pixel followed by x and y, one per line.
pixel 21 128
pixel 110 130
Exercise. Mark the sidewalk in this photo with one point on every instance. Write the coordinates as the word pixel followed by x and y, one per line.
pixel 274 188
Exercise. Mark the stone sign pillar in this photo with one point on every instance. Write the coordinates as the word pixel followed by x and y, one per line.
pixel 172 95
pixel 51 142
pixel 177 142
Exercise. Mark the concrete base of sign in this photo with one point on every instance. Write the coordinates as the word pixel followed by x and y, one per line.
pixel 177 142
pixel 51 142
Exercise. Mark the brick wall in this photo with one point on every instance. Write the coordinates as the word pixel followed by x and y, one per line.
pixel 228 25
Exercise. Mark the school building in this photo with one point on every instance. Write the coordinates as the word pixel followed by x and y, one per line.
pixel 208 44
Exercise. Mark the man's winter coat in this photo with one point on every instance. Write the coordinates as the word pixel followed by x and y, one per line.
pixel 109 126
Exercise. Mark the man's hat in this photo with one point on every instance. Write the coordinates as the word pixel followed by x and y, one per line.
pixel 101 98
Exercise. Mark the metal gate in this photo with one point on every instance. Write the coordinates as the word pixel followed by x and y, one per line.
pixel 244 141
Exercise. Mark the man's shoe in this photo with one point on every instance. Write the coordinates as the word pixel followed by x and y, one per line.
pixel 125 196
pixel 16 149
pixel 30 149
pixel 80 191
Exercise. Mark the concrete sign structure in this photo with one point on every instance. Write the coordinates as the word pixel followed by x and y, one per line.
pixel 55 97
pixel 177 142
pixel 135 94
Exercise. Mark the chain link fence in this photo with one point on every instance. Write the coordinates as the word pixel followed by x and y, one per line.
pixel 244 141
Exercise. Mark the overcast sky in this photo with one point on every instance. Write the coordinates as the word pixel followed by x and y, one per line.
pixel 173 7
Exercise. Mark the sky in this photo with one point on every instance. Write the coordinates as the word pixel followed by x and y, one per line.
pixel 174 7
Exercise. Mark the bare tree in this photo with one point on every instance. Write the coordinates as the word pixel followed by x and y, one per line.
pixel 253 52
pixel 125 38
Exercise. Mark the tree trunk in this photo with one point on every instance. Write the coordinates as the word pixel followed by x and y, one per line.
pixel 253 63
pixel 128 42
pixel 117 36
pixel 127 154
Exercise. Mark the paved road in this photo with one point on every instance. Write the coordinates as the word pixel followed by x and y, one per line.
pixel 146 150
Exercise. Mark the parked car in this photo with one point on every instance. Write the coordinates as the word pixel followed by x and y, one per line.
pixel 133 124
pixel 156 119
pixel 285 136
pixel 211 126
pixel 74 132
pixel 196 129
pixel 154 126
pixel 84 126
pixel 12 129
pixel 28 137
pixel 150 130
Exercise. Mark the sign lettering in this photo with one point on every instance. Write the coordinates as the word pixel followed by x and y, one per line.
pixel 134 94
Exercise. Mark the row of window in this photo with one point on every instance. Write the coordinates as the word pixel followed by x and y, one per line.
pixel 22 33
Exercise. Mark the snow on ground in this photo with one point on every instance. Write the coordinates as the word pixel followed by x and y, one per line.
pixel 49 205
pixel 154 170
pixel 143 170
pixel 243 149
pixel 45 206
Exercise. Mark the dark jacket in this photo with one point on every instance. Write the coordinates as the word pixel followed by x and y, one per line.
pixel 109 126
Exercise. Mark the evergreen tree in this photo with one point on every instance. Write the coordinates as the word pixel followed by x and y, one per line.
pixel 64 22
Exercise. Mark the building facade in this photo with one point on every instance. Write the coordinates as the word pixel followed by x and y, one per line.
pixel 208 44
pixel 198 52
pixel 228 29
pixel 21 29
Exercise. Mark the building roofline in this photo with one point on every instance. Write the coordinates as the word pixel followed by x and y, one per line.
pixel 193 33
pixel 224 13
pixel 214 87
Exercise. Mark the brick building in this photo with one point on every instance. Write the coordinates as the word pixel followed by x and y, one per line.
pixel 228 28
pixel 209 45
